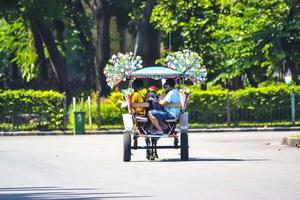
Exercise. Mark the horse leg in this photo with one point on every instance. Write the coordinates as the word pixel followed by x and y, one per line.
pixel 155 149
pixel 148 154
pixel 152 149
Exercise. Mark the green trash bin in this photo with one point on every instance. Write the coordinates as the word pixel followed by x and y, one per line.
pixel 78 122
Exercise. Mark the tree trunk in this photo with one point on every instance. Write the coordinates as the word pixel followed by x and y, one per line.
pixel 40 51
pixel 289 64
pixel 288 47
pixel 147 39
pixel 102 14
pixel 152 50
pixel 252 82
pixel 102 18
pixel 57 61
pixel 121 31
pixel 90 51
pixel 60 27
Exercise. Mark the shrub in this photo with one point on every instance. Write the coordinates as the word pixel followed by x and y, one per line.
pixel 110 109
pixel 44 106
pixel 267 103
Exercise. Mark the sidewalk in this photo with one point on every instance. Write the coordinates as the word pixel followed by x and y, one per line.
pixel 120 131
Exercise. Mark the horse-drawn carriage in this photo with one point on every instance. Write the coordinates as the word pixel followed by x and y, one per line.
pixel 139 126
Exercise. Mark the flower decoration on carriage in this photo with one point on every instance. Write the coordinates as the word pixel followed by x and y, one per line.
pixel 120 66
pixel 189 63
pixel 184 94
pixel 128 92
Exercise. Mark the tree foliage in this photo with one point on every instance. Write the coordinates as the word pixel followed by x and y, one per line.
pixel 241 42
pixel 16 42
pixel 247 40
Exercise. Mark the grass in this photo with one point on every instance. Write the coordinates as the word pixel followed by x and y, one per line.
pixel 244 124
pixel 28 127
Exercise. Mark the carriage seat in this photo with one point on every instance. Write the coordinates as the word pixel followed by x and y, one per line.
pixel 171 120
pixel 140 118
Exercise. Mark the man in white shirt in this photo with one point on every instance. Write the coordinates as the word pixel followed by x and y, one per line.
pixel 168 112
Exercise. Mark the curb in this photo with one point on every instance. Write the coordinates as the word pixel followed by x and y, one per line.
pixel 244 129
pixel 47 133
pixel 120 131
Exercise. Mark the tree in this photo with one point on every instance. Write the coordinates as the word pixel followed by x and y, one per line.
pixel 61 34
pixel 190 24
pixel 102 14
pixel 242 42
pixel 249 35
pixel 16 45
pixel 147 42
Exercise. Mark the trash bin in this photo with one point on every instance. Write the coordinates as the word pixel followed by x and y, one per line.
pixel 78 122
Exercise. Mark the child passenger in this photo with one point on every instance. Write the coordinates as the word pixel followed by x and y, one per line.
pixel 152 98
pixel 137 97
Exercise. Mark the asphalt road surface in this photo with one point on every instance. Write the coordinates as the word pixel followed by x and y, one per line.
pixel 247 166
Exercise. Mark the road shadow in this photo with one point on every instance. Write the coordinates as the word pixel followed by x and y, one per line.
pixel 47 193
pixel 198 159
pixel 193 159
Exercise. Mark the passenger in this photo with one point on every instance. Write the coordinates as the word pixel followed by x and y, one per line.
pixel 137 97
pixel 152 99
pixel 168 112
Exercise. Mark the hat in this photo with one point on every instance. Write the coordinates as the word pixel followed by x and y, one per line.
pixel 152 88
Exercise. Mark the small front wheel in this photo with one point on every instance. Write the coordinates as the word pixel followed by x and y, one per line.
pixel 184 146
pixel 126 147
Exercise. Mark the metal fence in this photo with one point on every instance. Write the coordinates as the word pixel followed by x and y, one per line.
pixel 243 116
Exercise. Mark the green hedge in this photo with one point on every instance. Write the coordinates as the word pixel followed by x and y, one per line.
pixel 267 103
pixel 46 106
pixel 110 110
pixel 206 106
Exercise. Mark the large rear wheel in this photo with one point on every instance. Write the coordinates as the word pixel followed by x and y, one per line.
pixel 126 147
pixel 184 146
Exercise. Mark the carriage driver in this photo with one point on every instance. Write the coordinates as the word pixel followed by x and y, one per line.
pixel 168 112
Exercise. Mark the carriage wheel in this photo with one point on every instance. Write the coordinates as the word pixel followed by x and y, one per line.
pixel 184 146
pixel 126 147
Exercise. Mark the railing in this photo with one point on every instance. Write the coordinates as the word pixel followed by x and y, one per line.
pixel 243 115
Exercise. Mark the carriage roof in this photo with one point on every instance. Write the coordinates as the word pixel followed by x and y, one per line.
pixel 156 72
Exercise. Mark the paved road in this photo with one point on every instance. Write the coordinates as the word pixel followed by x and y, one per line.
pixel 223 166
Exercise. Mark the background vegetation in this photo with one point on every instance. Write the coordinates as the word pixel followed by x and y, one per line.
pixel 35 109
pixel 266 105
pixel 63 45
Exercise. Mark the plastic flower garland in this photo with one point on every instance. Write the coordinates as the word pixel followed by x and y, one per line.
pixel 189 63
pixel 120 66
pixel 184 94
pixel 127 93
